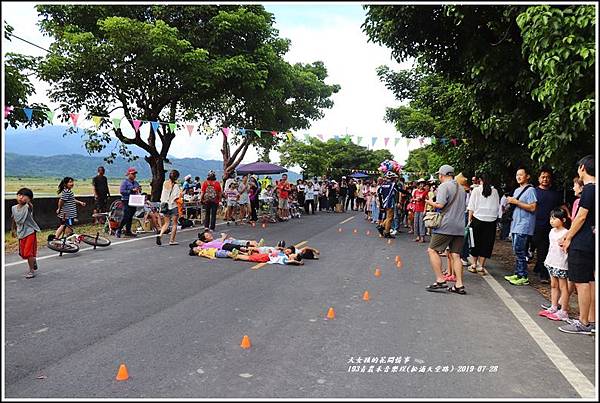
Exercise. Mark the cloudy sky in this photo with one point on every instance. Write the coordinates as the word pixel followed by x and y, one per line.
pixel 327 32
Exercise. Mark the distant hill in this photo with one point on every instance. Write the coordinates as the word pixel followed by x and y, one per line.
pixel 82 166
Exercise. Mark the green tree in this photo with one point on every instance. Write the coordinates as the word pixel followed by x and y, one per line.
pixel 333 157
pixel 18 87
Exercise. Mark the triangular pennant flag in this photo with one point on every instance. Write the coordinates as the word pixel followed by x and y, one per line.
pixel 225 131
pixel 358 139
pixel 453 141
pixel 28 113
pixel 116 122
pixel 433 140
pixel 136 124
pixel 257 132
pixel 74 117
pixel 347 139
pixel 464 141
pixel 320 136
pixel 306 136
pixel 7 111
pixel 385 141
pixel 190 129
pixel 336 137
pixel 274 133
pixel 50 116
pixel 444 141
pixel 155 126
pixel 172 127
pixel 396 140
pixel 421 140
pixel 290 136
pixel 373 140
pixel 243 131
pixel 97 120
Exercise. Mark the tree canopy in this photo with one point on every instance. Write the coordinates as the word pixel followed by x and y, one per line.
pixel 219 65
pixel 488 75
pixel 333 157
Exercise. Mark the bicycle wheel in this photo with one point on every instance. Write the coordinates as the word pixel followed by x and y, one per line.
pixel 91 240
pixel 67 247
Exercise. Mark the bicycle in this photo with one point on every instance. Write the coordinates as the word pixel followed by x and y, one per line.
pixel 70 243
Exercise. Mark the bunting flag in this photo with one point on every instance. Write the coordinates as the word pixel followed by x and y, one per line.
pixel 336 137
pixel 136 125
pixel 396 140
pixel 257 132
pixel 453 141
pixel 421 140
pixel 290 136
pixel 274 133
pixel 173 127
pixel 464 141
pixel 358 139
pixel 206 127
pixel 7 111
pixel 190 129
pixel 320 136
pixel 97 120
pixel 347 139
pixel 444 141
pixel 225 131
pixel 50 116
pixel 373 141
pixel 385 141
pixel 243 131
pixel 28 113
pixel 117 123
pixel 433 140
pixel 306 136
pixel 74 117
pixel 155 126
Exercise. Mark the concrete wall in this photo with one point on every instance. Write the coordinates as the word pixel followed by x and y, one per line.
pixel 44 211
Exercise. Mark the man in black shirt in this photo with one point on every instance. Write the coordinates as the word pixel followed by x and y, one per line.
pixel 351 194
pixel 580 243
pixel 101 194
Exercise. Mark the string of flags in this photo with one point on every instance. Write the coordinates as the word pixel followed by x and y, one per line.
pixel 227 131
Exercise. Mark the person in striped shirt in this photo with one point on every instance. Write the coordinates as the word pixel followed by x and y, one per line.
pixel 67 205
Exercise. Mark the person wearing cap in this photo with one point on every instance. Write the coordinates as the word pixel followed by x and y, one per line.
pixel 419 196
pixel 388 194
pixel 210 197
pixel 450 234
pixel 188 186
pixel 128 187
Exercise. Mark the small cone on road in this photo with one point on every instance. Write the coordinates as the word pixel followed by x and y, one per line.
pixel 355 231
pixel 397 258
pixel 264 225
pixel 339 230
pixel 389 241
pixel 377 272
pixel 122 375
pixel 368 232
pixel 366 296
pixel 331 313
pixel 245 342
pixel 253 224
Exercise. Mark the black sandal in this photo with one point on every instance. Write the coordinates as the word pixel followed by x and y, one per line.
pixel 435 287
pixel 457 290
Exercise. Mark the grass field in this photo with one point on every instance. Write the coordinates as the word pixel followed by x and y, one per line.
pixel 49 186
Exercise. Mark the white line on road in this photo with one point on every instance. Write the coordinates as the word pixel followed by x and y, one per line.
pixel 575 377
pixel 112 243
pixel 346 220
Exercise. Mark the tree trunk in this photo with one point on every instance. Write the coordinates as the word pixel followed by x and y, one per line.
pixel 157 165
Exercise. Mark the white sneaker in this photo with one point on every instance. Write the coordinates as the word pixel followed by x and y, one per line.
pixel 464 262
pixel 393 232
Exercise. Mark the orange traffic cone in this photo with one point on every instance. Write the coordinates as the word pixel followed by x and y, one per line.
pixel 253 224
pixel 389 241
pixel 339 230
pixel 366 296
pixel 377 272
pixel 245 342
pixel 264 225
pixel 330 314
pixel 122 375
pixel 397 258
pixel 368 232
pixel 355 231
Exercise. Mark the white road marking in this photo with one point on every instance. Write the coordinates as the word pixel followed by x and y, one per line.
pixel 346 220
pixel 41 330
pixel 111 244
pixel 571 373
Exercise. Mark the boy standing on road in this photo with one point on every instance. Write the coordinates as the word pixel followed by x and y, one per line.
pixel 524 203
pixel 580 243
pixel 26 229
pixel 283 191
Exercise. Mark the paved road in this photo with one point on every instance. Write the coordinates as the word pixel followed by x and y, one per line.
pixel 177 322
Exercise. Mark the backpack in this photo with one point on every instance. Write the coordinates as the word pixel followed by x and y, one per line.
pixel 185 223
pixel 210 195
pixel 116 214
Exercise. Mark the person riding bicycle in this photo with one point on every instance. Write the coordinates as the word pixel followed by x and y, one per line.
pixel 67 206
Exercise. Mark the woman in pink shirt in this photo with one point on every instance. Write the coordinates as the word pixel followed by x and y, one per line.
pixel 577 188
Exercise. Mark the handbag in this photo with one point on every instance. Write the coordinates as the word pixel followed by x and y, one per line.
pixel 508 213
pixel 164 207
pixel 433 219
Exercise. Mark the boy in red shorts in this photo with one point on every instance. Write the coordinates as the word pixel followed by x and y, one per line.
pixel 26 228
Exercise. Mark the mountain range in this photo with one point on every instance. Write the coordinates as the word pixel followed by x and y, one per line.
pixel 45 152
